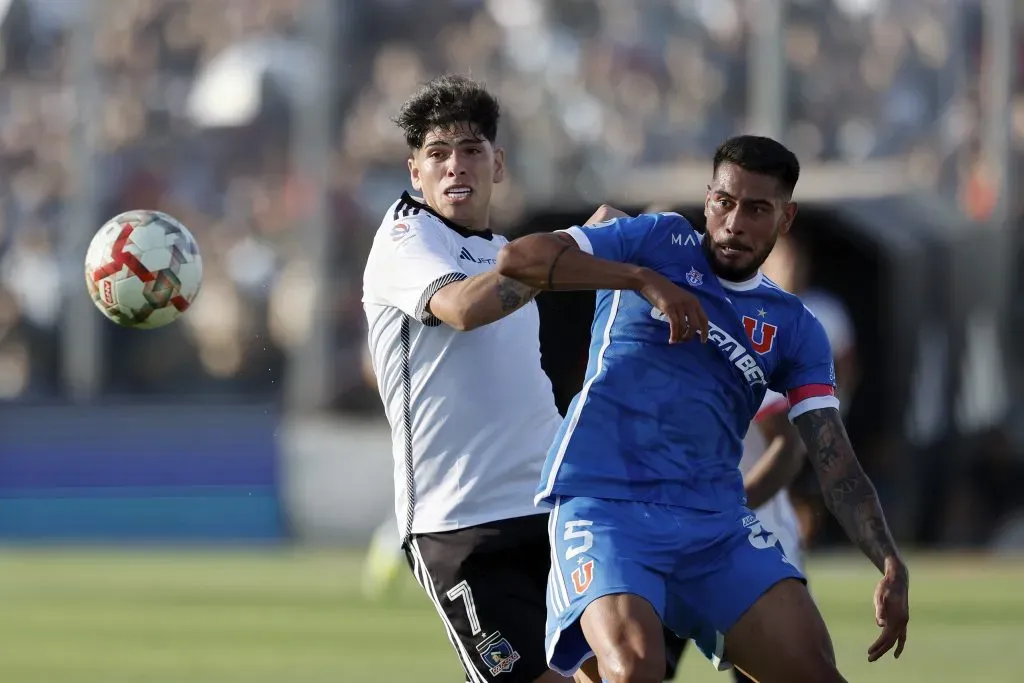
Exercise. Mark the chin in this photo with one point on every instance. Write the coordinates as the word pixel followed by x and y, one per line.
pixel 462 213
pixel 733 271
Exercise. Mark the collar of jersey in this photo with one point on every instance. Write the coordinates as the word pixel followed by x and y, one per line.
pixel 465 232
pixel 745 286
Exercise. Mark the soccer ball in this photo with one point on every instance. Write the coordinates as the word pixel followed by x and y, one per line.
pixel 143 269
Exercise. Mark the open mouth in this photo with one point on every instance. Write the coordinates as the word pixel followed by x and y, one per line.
pixel 732 250
pixel 458 193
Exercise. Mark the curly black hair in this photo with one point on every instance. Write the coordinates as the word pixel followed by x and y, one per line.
pixel 760 155
pixel 447 101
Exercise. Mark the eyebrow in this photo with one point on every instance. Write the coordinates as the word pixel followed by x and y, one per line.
pixel 763 202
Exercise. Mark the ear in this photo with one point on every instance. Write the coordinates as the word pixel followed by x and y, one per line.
pixel 499 164
pixel 707 202
pixel 788 215
pixel 414 174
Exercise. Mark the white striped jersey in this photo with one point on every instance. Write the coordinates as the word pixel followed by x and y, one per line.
pixel 777 515
pixel 472 414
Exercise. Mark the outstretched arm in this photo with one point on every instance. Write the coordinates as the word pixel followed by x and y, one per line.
pixel 848 492
pixel 479 300
pixel 567 262
pixel 555 261
pixel 851 497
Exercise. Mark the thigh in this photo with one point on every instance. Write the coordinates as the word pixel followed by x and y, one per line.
pixel 489 594
pixel 607 573
pixel 731 562
pixel 626 634
pixel 782 638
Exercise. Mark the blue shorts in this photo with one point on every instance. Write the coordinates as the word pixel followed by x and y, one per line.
pixel 699 570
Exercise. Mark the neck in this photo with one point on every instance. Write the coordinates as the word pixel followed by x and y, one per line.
pixel 474 224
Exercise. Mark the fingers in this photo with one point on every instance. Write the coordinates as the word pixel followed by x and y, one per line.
pixel 703 325
pixel 892 614
pixel 900 643
pixel 680 329
pixel 892 618
pixel 604 213
pixel 687 321
pixel 886 639
pixel 890 636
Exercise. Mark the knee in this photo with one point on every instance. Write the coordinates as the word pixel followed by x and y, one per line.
pixel 629 666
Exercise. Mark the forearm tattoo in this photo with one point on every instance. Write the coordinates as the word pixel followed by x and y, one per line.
pixel 513 294
pixel 849 494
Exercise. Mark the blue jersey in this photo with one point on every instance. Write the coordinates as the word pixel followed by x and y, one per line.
pixel 664 423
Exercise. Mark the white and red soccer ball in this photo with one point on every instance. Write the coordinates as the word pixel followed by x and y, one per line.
pixel 143 269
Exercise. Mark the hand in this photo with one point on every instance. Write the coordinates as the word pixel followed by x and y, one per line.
pixel 605 213
pixel 681 308
pixel 892 610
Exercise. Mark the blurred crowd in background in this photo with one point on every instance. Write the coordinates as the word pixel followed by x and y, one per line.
pixel 196 117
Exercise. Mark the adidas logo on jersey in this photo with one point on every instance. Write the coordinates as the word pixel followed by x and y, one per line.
pixel 466 256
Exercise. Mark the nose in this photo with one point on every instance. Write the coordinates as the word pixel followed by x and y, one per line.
pixel 734 222
pixel 456 165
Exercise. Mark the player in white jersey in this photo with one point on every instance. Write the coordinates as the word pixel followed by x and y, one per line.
pixel 456 353
pixel 772 455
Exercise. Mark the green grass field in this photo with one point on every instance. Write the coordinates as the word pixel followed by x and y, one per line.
pixel 297 617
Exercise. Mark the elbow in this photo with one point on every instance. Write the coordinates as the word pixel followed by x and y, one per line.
pixel 460 323
pixel 461 318
pixel 469 320
pixel 525 259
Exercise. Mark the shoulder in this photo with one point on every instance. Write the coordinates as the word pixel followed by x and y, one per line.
pixel 795 321
pixel 404 221
pixel 788 302
pixel 664 228
pixel 833 315
pixel 675 229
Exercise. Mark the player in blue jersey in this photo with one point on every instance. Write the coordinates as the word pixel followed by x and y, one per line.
pixel 649 524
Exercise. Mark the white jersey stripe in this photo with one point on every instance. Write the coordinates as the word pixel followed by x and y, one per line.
pixel 410 480
pixel 561 589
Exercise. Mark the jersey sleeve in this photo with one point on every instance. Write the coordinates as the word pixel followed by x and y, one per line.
pixel 628 239
pixel 807 374
pixel 413 262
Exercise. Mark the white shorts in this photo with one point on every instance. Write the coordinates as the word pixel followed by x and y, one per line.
pixel 779 517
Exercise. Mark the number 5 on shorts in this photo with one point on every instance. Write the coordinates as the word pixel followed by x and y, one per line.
pixel 583 574
pixel 574 529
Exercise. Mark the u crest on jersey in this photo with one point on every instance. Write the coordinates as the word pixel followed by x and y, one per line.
pixel 761 333
pixel 582 576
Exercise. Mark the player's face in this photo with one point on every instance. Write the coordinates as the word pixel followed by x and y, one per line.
pixel 746 212
pixel 456 170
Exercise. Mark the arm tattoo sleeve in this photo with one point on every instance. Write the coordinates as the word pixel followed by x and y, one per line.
pixel 848 492
pixel 513 294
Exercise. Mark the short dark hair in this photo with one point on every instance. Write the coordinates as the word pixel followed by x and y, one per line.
pixel 447 101
pixel 760 155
